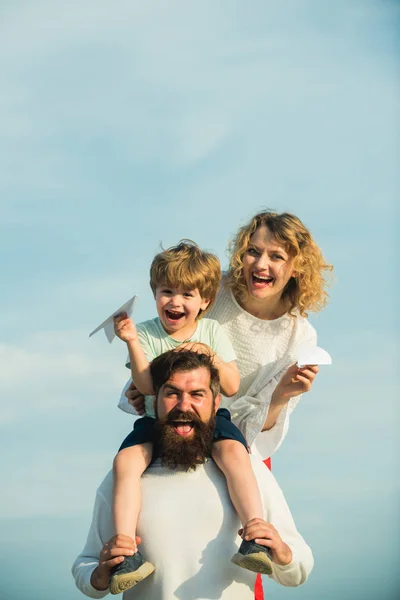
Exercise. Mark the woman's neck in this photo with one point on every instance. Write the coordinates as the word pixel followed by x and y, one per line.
pixel 266 309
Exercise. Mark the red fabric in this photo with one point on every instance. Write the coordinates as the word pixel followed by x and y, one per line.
pixel 258 588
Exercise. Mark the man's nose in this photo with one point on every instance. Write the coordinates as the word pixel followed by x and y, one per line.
pixel 184 403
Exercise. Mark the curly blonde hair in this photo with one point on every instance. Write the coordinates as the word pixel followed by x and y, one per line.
pixel 306 291
pixel 188 266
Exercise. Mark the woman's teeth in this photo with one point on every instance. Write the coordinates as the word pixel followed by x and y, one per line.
pixel 262 278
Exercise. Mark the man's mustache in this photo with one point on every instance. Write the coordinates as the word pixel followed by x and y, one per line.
pixel 182 417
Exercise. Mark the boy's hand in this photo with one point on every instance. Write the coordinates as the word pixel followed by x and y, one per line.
pixel 196 347
pixel 125 328
pixel 265 534
pixel 135 398
pixel 294 382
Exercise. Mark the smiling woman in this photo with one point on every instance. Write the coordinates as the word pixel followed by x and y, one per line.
pixel 276 274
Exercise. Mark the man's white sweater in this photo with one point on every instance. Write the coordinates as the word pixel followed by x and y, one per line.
pixel 189 532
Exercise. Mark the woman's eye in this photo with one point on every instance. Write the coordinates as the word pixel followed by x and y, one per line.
pixel 252 251
pixel 277 257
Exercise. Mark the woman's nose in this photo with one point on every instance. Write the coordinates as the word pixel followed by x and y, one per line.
pixel 263 261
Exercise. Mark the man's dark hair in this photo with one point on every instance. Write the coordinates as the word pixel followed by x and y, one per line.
pixel 164 366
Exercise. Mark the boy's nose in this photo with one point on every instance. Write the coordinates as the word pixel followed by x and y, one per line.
pixel 175 301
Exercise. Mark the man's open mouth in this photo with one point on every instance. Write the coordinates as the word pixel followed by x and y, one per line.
pixel 262 279
pixel 174 315
pixel 183 428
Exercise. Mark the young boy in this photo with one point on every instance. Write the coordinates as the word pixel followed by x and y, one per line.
pixel 185 281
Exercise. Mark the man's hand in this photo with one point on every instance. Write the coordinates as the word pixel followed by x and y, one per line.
pixel 125 328
pixel 135 398
pixel 265 534
pixel 196 347
pixel 294 382
pixel 111 555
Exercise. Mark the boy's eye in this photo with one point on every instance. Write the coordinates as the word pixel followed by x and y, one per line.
pixel 188 294
pixel 165 291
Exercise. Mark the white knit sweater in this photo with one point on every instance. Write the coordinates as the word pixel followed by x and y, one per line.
pixel 189 532
pixel 264 350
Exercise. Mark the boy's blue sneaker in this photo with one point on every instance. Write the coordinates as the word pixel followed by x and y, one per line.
pixel 253 557
pixel 128 573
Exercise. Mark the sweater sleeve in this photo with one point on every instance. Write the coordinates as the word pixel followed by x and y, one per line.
pixel 249 412
pixel 88 560
pixel 278 514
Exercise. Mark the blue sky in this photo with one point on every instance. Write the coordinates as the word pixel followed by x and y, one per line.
pixel 127 124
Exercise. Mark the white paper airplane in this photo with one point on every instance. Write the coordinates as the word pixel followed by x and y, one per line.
pixel 308 354
pixel 108 324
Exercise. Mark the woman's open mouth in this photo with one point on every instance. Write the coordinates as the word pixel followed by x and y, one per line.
pixel 262 281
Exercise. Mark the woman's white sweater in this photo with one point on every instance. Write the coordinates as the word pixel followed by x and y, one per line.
pixel 264 351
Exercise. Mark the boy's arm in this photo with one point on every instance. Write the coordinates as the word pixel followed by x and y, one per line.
pixel 228 375
pixel 140 367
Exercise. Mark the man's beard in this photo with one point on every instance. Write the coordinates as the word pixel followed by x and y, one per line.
pixel 179 451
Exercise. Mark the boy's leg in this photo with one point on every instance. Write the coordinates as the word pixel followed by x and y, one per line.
pixel 233 459
pixel 129 465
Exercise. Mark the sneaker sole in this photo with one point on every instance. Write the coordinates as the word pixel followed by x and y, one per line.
pixel 120 583
pixel 257 563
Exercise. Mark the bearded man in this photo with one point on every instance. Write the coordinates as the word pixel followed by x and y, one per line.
pixel 187 522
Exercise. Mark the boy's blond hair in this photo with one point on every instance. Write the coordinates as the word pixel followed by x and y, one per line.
pixel 304 292
pixel 189 267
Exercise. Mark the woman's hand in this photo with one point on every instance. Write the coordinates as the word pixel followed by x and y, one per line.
pixel 294 382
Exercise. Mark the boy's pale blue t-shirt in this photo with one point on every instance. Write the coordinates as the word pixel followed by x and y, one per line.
pixel 155 341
